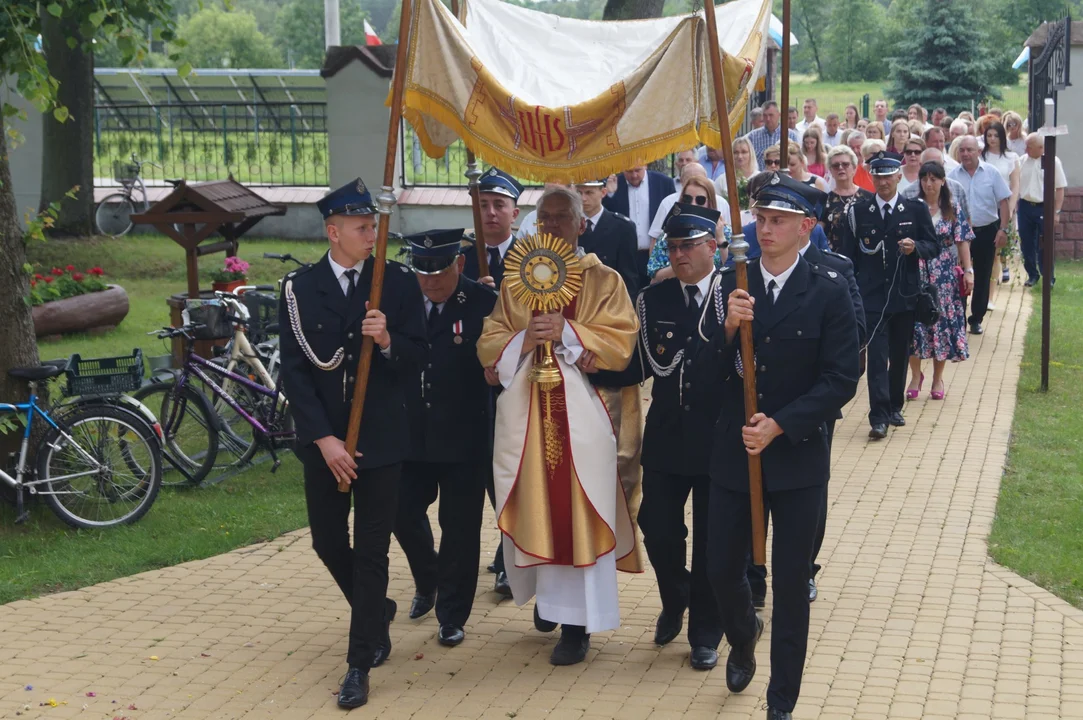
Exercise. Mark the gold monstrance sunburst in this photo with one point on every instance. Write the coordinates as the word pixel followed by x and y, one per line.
pixel 542 272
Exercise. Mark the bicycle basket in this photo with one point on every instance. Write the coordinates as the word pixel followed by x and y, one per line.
pixel 212 315
pixel 262 314
pixel 125 172
pixel 104 376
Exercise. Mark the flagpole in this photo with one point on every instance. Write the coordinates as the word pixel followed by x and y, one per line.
pixel 385 200
pixel 473 174
pixel 739 248
pixel 784 136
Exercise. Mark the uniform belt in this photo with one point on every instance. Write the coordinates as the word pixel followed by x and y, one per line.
pixel 1038 203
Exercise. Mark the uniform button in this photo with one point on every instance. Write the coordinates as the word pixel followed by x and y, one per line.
pixel 349 357
pixel 349 336
pixel 319 326
pixel 428 386
pixel 687 408
pixel 767 339
pixel 349 379
pixel 429 366
pixel 687 386
pixel 430 346
pixel 798 333
pixel 759 396
pixel 688 339
pixel 688 363
pixel 428 405
pixel 763 368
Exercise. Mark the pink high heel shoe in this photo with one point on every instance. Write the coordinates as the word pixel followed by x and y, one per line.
pixel 937 394
pixel 913 394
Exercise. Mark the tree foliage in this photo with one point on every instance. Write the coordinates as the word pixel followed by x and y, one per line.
pixel 944 61
pixel 299 29
pixel 216 38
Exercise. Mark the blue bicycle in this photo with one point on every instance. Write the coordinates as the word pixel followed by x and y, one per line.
pixel 98 461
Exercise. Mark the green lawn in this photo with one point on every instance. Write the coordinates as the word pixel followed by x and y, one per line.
pixel 834 97
pixel 44 555
pixel 1038 531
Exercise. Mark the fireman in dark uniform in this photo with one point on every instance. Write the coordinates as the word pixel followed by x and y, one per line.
pixel 675 316
pixel 324 315
pixel 884 238
pixel 448 402
pixel 806 356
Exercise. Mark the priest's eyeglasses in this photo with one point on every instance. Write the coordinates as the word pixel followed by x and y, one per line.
pixel 684 248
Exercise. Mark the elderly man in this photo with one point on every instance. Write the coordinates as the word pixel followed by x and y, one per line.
pixel 755 118
pixel 958 128
pixel 987 197
pixel 684 157
pixel 958 192
pixel 810 107
pixel 771 132
pixel 562 513
pixel 934 138
pixel 1032 206
pixel 884 240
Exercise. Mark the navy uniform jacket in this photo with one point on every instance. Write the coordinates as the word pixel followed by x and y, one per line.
pixel 681 418
pixel 806 370
pixel 447 397
pixel 872 243
pixel 614 241
pixel 842 265
pixel 470 269
pixel 320 399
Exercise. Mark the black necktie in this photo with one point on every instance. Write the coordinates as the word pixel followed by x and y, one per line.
pixel 434 313
pixel 690 291
pixel 771 285
pixel 494 261
pixel 887 210
pixel 351 276
pixel 590 225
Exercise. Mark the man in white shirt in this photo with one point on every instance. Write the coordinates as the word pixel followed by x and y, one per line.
pixel 832 134
pixel 934 138
pixel 879 109
pixel 1031 211
pixel 811 119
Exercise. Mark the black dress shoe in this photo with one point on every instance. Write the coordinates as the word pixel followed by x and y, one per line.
pixel 355 689
pixel 421 604
pixel 896 419
pixel 703 657
pixel 383 650
pixel 450 635
pixel 759 602
pixel 878 431
pixel 502 586
pixel 813 593
pixel 741 663
pixel 1031 282
pixel 776 714
pixel 541 624
pixel 976 329
pixel 572 648
pixel 669 626
pixel 491 567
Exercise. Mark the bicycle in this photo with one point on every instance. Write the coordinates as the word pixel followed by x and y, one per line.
pixel 192 431
pixel 99 462
pixel 113 215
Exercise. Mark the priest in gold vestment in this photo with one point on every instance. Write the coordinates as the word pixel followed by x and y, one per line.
pixel 564 516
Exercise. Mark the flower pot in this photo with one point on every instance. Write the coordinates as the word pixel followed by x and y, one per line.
pixel 228 286
pixel 82 312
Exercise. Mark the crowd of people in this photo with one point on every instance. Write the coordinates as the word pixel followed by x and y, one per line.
pixel 862 253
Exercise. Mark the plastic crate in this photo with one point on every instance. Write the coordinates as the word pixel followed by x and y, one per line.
pixel 104 376
pixel 212 315
pixel 262 315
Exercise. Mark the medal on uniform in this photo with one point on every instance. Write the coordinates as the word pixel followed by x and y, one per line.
pixel 457 328
pixel 661 349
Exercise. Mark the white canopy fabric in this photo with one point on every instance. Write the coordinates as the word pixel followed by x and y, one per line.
pixel 559 99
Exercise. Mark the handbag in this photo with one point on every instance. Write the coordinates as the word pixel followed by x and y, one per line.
pixel 927 311
pixel 960 280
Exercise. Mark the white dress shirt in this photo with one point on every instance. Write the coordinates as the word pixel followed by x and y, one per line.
pixel 639 211
pixel 779 279
pixel 701 289
pixel 832 140
pixel 667 204
pixel 816 120
pixel 881 203
pixel 428 306
pixel 1032 178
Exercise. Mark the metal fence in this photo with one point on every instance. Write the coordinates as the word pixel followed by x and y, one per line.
pixel 258 143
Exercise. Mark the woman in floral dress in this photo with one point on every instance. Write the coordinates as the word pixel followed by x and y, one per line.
pixel 843 165
pixel 946 339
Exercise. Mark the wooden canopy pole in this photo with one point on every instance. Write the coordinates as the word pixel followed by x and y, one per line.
pixel 739 248
pixel 473 174
pixel 384 202
pixel 784 136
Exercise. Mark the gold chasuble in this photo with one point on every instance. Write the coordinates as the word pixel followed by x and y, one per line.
pixel 563 515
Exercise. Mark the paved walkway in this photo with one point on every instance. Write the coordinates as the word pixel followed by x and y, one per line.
pixel 913 620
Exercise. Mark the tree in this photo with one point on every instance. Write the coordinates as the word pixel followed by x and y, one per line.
pixel 121 21
pixel 945 61
pixel 632 9
pixel 853 44
pixel 216 38
pixel 299 29
pixel 810 18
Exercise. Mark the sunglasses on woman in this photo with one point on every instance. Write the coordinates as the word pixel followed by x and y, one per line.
pixel 840 166
pixel 698 200
pixel 911 152
pixel 771 163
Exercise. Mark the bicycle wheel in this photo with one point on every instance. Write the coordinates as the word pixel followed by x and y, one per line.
pixel 101 467
pixel 237 439
pixel 114 215
pixel 189 432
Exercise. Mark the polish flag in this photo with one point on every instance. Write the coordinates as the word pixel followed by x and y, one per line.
pixel 371 38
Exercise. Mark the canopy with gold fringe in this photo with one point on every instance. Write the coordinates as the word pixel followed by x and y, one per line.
pixel 559 99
